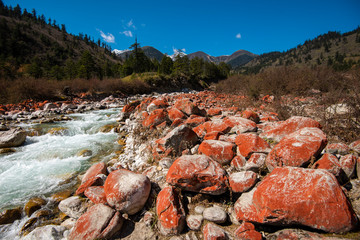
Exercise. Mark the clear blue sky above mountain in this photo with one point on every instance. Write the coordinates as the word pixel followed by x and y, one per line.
pixel 215 27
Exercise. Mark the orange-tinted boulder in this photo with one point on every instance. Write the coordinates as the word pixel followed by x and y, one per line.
pixel 214 111
pixel 240 125
pixel 338 148
pixel 222 152
pixel 195 121
pixel 96 194
pixel 127 191
pixel 214 232
pixel 297 149
pixel 171 214
pixel 330 163
pixel 298 196
pixel 175 113
pixel 96 169
pixel 251 115
pixel 256 162
pixel 155 118
pixel 238 162
pixel 156 104
pixel 97 180
pixel 212 135
pixel 197 173
pixel 247 231
pixel 99 222
pixel 289 126
pixel 242 181
pixel 187 106
pixel 128 108
pixel 249 143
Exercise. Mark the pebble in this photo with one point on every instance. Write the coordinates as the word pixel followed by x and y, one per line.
pixel 215 214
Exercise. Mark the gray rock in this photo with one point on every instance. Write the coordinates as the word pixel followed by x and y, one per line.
pixel 199 209
pixel 194 221
pixel 50 106
pixel 12 138
pixel 48 232
pixel 74 207
pixel 215 214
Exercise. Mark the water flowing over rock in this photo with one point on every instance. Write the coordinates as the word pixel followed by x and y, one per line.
pixel 171 215
pixel 297 149
pixel 99 222
pixel 12 138
pixel 289 126
pixel 309 197
pixel 197 173
pixel 127 191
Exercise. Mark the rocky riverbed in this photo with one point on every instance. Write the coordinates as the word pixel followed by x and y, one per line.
pixel 199 166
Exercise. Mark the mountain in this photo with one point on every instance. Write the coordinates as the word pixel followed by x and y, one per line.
pixel 339 51
pixel 150 52
pixel 236 59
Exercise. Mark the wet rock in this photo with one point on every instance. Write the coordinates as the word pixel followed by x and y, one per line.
pixel 249 143
pixel 215 214
pixel 59 196
pixel 297 149
pixel 179 139
pixel 194 221
pixel 6 150
pixel 289 126
pixel 49 232
pixel 214 232
pixel 33 204
pixel 58 131
pixel 85 153
pixel 288 196
pixel 247 231
pixel 242 181
pixel 74 206
pixel 170 212
pixel 222 152
pixel 12 138
pixel 96 194
pixel 10 215
pixel 127 191
pixel 108 127
pixel 348 164
pixel 99 222
pixel 197 173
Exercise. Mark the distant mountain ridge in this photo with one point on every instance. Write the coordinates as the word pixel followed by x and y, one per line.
pixel 237 59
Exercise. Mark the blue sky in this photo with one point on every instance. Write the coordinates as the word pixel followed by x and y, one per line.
pixel 213 26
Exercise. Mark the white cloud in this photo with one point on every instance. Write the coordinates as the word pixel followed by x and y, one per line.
pixel 107 37
pixel 238 35
pixel 130 24
pixel 127 33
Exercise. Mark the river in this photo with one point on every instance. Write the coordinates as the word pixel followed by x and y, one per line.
pixel 44 163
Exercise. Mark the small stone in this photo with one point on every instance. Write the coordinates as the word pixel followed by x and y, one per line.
pixel 194 221
pixel 214 232
pixel 215 214
pixel 242 181
pixel 199 209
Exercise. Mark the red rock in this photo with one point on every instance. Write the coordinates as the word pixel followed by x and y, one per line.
pixel 289 126
pixel 155 118
pixel 242 181
pixel 256 162
pixel 212 135
pixel 238 162
pixel 217 125
pixel 157 104
pixel 197 173
pixel 330 163
pixel 130 107
pixel 297 234
pixel 348 164
pixel 187 106
pixel 175 113
pixel 214 111
pixel 99 222
pixel 94 181
pixel 96 194
pixel 222 152
pixel 194 121
pixel 247 231
pixel 171 214
pixel 240 125
pixel 177 122
pixel 228 138
pixel 297 149
pixel 214 232
pixel 251 115
pixel 338 148
pixel 249 143
pixel 96 169
pixel 127 191
pixel 297 196
pixel 355 146
pixel 179 139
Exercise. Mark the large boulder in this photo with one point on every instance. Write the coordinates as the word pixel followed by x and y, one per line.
pixel 48 232
pixel 240 125
pixel 297 196
pixel 96 194
pixel 289 126
pixel 179 139
pixel 190 108
pixel 12 138
pixel 249 143
pixel 222 152
pixel 73 206
pixel 127 191
pixel 297 149
pixel 170 212
pixel 99 222
pixel 198 173
pixel 155 118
